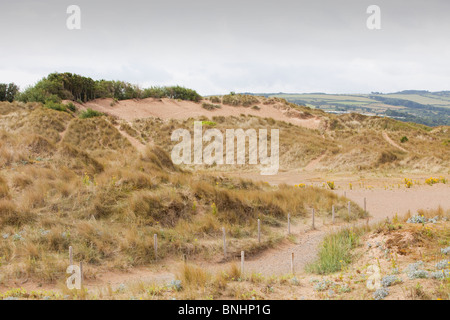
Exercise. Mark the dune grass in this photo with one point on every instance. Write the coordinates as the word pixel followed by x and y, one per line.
pixel 336 251
pixel 66 181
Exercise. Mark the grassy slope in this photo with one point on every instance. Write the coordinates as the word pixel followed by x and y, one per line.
pixel 66 181
pixel 76 182
pixel 349 142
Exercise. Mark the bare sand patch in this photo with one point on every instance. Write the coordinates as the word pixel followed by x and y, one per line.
pixel 130 110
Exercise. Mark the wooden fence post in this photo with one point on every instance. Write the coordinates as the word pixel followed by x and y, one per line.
pixel 332 214
pixel 365 210
pixel 242 263
pixel 70 255
pixel 292 263
pixel 259 231
pixel 81 275
pixel 313 225
pixel 349 211
pixel 155 243
pixel 289 223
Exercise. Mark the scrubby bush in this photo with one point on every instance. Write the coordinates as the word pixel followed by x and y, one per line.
pixel 239 100
pixel 68 86
pixel 381 293
pixel 71 107
pixel 89 113
pixel 215 99
pixel 175 92
pixel 210 107
pixel 390 280
pixel 55 106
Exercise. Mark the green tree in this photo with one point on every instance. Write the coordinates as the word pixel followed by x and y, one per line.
pixel 8 92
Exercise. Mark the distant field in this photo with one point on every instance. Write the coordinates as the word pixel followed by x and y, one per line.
pixel 423 99
pixel 429 108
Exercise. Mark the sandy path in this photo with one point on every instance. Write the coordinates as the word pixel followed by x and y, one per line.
pixel 392 143
pixel 277 261
pixel 313 164
pixel 134 142
pixel 386 203
pixel 381 202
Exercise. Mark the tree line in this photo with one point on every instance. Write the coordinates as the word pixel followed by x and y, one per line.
pixel 8 92
pixel 67 86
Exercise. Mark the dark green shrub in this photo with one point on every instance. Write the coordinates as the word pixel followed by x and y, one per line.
pixel 71 107
pixel 89 113
pixel 55 106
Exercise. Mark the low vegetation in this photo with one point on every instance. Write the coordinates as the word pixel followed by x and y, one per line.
pixel 77 181
pixel 336 251
pixel 89 113
pixel 67 86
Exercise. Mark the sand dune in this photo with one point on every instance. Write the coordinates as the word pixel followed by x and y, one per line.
pixel 174 109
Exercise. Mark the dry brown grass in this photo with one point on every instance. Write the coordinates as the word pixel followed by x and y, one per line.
pixel 11 216
pixel 72 182
pixel 4 189
pixel 95 134
pixel 356 144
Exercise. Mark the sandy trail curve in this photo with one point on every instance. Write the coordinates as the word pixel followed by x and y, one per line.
pixel 392 143
pixel 277 261
pixel 313 164
pixel 134 142
pixel 387 203
pixel 380 204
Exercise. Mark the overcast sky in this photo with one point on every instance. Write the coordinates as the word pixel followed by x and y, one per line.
pixel 220 46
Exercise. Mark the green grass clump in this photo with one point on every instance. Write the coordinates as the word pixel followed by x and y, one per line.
pixel 89 113
pixel 335 251
pixel 209 123
pixel 55 106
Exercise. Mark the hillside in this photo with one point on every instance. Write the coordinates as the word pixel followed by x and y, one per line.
pixel 95 173
pixel 424 107
pixel 67 181
pixel 345 143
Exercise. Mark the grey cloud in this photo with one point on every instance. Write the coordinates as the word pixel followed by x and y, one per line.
pixel 219 46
